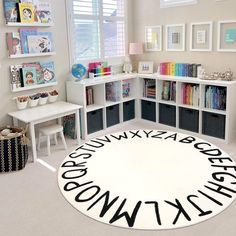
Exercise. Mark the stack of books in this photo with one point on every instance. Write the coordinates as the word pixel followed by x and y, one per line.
pixel 215 97
pixel 169 91
pixel 89 96
pixel 190 93
pixel 113 91
pixel 149 88
pixel 180 69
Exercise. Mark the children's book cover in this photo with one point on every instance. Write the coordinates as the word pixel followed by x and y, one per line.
pixel 26 10
pixel 38 68
pixel 29 76
pixel 11 10
pixel 50 37
pixel 43 11
pixel 48 74
pixel 24 33
pixel 16 76
pixel 39 44
pixel 13 43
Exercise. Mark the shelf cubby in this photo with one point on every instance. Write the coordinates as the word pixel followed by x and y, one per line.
pixel 128 110
pixel 148 87
pixel 167 114
pixel 128 89
pixel 189 94
pixel 113 92
pixel 97 97
pixel 113 115
pixel 94 121
pixel 168 91
pixel 148 110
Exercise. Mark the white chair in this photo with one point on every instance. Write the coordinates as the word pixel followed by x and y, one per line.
pixel 51 130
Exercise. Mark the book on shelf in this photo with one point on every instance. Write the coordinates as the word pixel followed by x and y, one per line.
pixel 11 10
pixel 48 72
pixel 29 76
pixel 126 89
pixel 27 11
pixel 38 69
pixel 215 97
pixel 38 43
pixel 16 76
pixel 24 34
pixel 13 43
pixel 43 11
pixel 169 90
pixel 113 91
pixel 149 88
pixel 190 93
pixel 89 96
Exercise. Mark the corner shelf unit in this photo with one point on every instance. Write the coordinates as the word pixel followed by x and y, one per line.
pixel 184 109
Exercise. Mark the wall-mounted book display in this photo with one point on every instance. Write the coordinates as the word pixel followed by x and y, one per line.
pixel 227 36
pixel 28 42
pixel 201 36
pixel 32 75
pixel 27 12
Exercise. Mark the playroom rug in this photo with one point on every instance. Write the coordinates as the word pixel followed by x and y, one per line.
pixel 148 179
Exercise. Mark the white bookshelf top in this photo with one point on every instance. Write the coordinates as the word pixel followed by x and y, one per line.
pixel 126 99
pixel 189 106
pixel 110 103
pixel 19 24
pixel 93 107
pixel 222 112
pixel 167 102
pixel 33 87
pixel 32 55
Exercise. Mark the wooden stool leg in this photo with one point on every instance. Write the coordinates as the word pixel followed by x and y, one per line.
pixel 55 139
pixel 63 139
pixel 48 145
pixel 39 141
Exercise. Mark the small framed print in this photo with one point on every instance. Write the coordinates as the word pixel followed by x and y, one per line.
pixel 201 36
pixel 175 37
pixel 226 36
pixel 153 38
pixel 145 67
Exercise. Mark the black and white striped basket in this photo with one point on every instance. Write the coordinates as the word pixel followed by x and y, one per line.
pixel 13 151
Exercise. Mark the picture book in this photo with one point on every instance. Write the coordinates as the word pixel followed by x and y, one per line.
pixel 50 37
pixel 48 72
pixel 43 11
pixel 38 44
pixel 16 76
pixel 29 76
pixel 26 10
pixel 13 43
pixel 38 68
pixel 24 33
pixel 11 10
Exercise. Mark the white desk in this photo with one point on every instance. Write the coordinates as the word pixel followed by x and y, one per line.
pixel 33 116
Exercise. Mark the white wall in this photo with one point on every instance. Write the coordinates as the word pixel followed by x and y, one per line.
pixel 148 12
pixel 61 59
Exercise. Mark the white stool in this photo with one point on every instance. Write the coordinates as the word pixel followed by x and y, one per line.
pixel 51 130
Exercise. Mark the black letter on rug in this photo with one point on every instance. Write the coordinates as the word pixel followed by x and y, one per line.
pixel 202 213
pixel 181 211
pixel 82 171
pixel 130 219
pixel 211 198
pixel 135 134
pixel 147 134
pixel 159 134
pixel 120 136
pixel 156 211
pixel 77 198
pixel 107 205
pixel 173 136
pixel 97 146
pixel 222 179
pixel 106 141
pixel 73 164
pixel 76 185
pixel 187 140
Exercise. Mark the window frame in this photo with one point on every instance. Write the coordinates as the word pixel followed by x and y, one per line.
pixel 164 4
pixel 111 60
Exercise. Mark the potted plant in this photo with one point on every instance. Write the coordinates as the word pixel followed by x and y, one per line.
pixel 43 98
pixel 22 102
pixel 34 99
pixel 53 95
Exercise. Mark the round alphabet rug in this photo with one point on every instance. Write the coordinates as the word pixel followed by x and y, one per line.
pixel 148 179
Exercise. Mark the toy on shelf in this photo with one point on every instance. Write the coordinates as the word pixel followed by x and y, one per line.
pixel 98 69
pixel 78 71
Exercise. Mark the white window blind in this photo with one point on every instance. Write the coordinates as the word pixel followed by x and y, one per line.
pixel 175 3
pixel 97 29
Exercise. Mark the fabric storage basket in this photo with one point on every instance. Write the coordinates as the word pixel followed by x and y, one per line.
pixel 13 150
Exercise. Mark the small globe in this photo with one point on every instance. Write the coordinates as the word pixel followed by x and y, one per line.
pixel 78 71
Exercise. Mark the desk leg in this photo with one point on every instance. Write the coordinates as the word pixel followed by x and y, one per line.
pixel 33 142
pixel 77 125
pixel 15 122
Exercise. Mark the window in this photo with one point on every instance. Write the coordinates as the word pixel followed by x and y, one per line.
pixel 175 3
pixel 97 29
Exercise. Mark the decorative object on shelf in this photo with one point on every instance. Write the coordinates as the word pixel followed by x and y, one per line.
pixel 22 102
pixel 43 98
pixel 153 38
pixel 145 67
pixel 175 37
pixel 227 76
pixel 135 49
pixel 96 69
pixel 78 71
pixel 201 36
pixel 53 95
pixel 227 36
pixel 34 99
pixel 127 67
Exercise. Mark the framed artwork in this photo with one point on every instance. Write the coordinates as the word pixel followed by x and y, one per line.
pixel 145 67
pixel 175 37
pixel 153 38
pixel 201 36
pixel 226 36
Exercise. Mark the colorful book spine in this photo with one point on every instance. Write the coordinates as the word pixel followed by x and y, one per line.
pixel 190 94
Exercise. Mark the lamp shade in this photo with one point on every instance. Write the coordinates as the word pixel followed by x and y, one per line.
pixel 135 48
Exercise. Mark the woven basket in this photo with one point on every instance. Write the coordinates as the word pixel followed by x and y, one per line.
pixel 13 150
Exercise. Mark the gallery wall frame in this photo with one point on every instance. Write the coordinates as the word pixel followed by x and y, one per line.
pixel 226 39
pixel 153 38
pixel 201 36
pixel 145 67
pixel 175 37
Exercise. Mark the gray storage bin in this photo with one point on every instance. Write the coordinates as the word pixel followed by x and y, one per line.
pixel 148 110
pixel 113 115
pixel 128 110
pixel 167 114
pixel 94 121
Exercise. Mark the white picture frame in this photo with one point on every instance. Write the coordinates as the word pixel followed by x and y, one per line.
pixel 145 67
pixel 201 36
pixel 153 38
pixel 226 38
pixel 175 37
